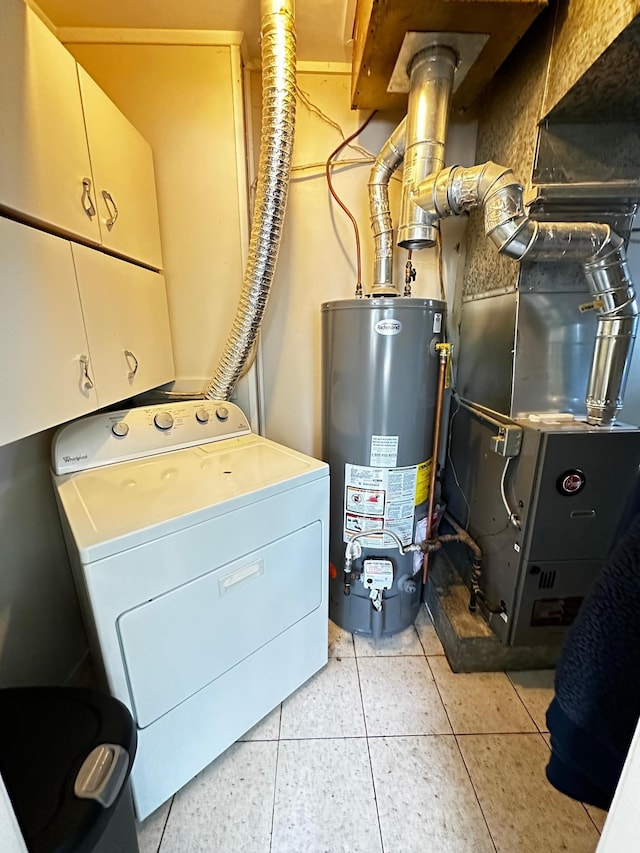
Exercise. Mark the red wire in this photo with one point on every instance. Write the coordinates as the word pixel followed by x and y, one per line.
pixel 333 154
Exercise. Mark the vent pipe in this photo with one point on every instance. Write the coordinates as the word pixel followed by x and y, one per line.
pixel 390 156
pixel 431 84
pixel 278 120
pixel 599 249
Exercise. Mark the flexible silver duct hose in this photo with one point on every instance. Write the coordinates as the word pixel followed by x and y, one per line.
pixel 278 121
pixel 596 246
pixel 431 85
pixel 387 161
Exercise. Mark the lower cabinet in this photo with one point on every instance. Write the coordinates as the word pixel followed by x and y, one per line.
pixel 44 353
pixel 71 319
pixel 127 323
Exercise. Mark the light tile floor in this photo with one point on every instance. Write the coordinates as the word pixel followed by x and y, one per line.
pixel 385 751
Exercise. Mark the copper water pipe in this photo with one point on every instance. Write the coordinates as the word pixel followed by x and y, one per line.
pixel 443 350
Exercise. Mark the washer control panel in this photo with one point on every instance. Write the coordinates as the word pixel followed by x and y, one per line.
pixel 135 433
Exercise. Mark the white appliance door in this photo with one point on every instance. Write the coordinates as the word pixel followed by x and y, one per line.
pixel 177 643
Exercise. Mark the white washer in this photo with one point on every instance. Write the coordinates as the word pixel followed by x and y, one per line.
pixel 200 554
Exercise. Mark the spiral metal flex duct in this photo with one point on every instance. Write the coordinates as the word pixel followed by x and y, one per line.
pixel 278 121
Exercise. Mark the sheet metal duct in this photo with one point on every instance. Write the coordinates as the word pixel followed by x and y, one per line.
pixel 431 71
pixel 600 251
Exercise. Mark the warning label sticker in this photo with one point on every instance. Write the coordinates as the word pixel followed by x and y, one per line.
pixel 360 524
pixel 381 497
pixel 365 500
pixel 384 451
pixel 423 481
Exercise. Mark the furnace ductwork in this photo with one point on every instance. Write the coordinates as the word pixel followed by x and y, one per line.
pixel 278 120
pixel 600 251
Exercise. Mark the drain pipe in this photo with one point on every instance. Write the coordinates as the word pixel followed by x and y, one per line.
pixel 600 250
pixel 278 121
pixel 390 156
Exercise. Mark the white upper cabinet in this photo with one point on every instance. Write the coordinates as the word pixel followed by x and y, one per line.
pixel 127 323
pixel 45 172
pixel 122 164
pixel 47 375
pixel 70 161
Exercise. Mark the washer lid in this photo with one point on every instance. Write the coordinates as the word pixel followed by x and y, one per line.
pixel 116 507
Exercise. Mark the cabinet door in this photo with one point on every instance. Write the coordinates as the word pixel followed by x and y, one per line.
pixel 42 336
pixel 43 144
pixel 122 164
pixel 125 312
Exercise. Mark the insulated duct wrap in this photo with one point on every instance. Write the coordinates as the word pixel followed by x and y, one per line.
pixel 599 250
pixel 278 121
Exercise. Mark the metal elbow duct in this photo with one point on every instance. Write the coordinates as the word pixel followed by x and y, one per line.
pixel 278 121
pixel 387 161
pixel 600 251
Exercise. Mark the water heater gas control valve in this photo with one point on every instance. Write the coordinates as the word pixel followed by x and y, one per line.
pixel 377 574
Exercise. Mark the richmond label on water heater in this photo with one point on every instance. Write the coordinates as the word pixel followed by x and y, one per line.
pixel 388 327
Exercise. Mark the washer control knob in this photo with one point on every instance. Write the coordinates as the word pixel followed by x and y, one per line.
pixel 120 429
pixel 163 420
pixel 202 416
pixel 222 413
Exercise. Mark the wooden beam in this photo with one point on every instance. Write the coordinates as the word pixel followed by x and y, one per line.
pixel 380 27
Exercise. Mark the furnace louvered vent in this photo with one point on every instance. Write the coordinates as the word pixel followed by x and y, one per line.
pixel 547 580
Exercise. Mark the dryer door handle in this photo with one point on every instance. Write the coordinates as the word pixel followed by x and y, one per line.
pixel 239 575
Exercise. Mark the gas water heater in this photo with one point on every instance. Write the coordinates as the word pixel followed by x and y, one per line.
pixel 380 372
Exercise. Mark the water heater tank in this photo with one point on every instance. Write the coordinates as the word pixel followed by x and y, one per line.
pixel 380 370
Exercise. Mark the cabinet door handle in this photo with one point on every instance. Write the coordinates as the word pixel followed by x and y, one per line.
pixel 87 202
pixel 85 379
pixel 108 200
pixel 130 357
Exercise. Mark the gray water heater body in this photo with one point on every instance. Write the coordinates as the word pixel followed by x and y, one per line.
pixel 380 370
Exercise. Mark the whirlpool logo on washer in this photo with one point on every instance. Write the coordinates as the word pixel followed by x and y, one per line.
pixel 388 327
